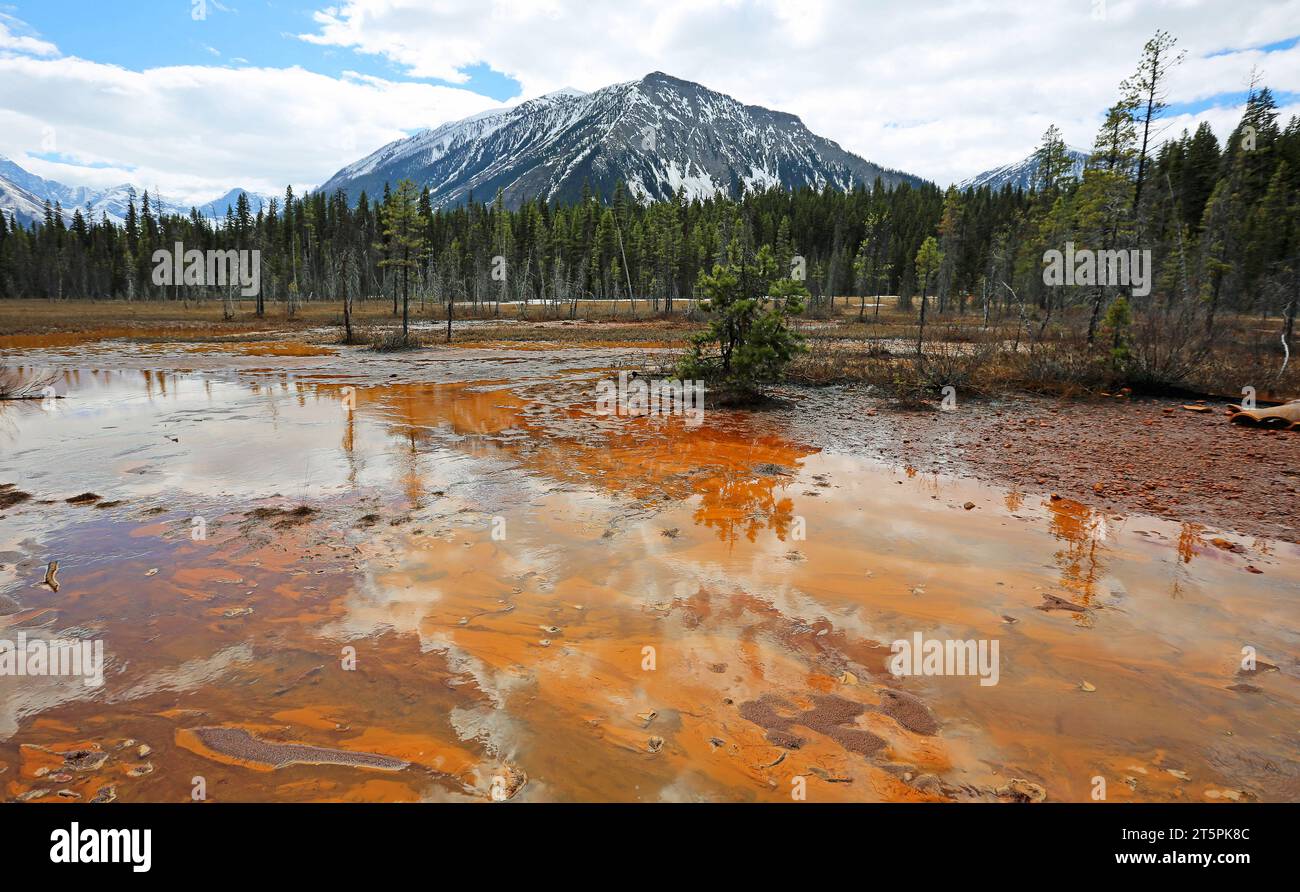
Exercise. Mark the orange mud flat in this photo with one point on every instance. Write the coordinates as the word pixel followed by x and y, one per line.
pixel 314 582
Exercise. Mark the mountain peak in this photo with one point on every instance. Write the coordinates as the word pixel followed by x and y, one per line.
pixel 563 93
pixel 1021 174
pixel 659 135
pixel 661 77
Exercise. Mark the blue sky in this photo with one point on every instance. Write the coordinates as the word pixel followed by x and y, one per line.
pixel 261 94
pixel 155 33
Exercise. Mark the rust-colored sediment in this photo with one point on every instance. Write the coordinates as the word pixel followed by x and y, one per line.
pixel 482 586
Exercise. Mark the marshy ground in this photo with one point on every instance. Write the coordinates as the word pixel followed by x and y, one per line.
pixel 322 573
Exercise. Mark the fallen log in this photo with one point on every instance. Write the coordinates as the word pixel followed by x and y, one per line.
pixel 1283 417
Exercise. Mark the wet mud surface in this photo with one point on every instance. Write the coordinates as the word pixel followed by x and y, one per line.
pixel 446 577
pixel 1132 454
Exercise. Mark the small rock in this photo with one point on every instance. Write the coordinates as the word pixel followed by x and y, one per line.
pixel 1023 791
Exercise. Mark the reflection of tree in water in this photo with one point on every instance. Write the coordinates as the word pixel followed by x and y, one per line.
pixel 740 500
pixel 1082 531
pixel 1189 544
pixel 739 468
pixel 412 481
pixel 1189 541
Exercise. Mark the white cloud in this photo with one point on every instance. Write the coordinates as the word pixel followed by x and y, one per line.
pixel 19 43
pixel 941 91
pixel 196 131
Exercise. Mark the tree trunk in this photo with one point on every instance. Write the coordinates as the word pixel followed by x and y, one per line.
pixel 1213 307
pixel 406 312
pixel 1096 314
pixel 920 331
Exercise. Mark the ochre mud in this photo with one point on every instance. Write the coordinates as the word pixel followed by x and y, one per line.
pixel 488 584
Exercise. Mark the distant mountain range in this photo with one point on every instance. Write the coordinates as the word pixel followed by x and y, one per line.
pixel 1022 174
pixel 657 135
pixel 23 195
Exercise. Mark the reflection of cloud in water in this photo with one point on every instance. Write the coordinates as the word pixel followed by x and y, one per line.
pixel 188 676
pixel 21 696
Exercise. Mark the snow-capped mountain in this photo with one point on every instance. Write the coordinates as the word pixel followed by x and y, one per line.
pixel 17 202
pixel 656 135
pixel 23 195
pixel 1023 173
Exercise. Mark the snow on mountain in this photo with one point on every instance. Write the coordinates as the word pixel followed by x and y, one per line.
pixel 217 207
pixel 1022 174
pixel 23 195
pixel 18 202
pixel 657 135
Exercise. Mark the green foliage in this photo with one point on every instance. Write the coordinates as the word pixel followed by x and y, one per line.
pixel 748 341
pixel 927 261
pixel 1118 320
pixel 403 243
pixel 1054 162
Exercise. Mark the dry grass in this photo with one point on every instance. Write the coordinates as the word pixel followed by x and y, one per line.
pixel 394 339
pixel 849 345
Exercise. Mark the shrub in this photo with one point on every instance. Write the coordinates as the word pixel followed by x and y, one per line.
pixel 391 340
pixel 749 341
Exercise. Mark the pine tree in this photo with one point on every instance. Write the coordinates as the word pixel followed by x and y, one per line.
pixel 1146 92
pixel 403 243
pixel 1054 164
pixel 927 263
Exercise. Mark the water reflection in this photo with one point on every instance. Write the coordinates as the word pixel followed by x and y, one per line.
pixel 1083 533
pixel 477 650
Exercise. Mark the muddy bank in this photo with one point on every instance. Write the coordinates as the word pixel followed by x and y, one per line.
pixel 1133 455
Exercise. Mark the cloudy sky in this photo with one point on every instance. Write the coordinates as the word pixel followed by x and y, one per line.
pixel 197 96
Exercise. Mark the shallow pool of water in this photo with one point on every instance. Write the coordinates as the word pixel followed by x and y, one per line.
pixel 489 581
